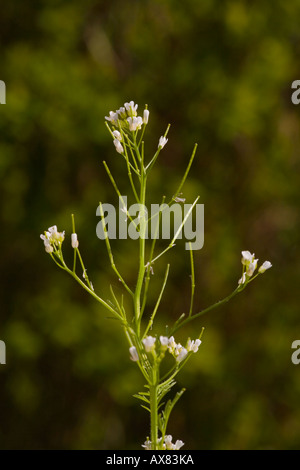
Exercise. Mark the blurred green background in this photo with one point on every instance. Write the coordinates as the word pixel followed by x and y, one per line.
pixel 220 72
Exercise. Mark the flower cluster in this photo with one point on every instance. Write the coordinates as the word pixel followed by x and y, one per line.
pixel 249 266
pixel 52 238
pixel 178 351
pixel 167 444
pixel 125 119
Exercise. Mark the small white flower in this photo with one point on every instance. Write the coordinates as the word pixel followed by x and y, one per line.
pixel 113 117
pixel 149 343
pixel 162 142
pixel 74 240
pixel 266 265
pixel 178 444
pixel 172 345
pixel 251 267
pixel 182 354
pixel 117 135
pixel 193 345
pixel 47 244
pixel 135 123
pixel 131 108
pixel 122 112
pixel 55 236
pixel 168 442
pixel 247 257
pixel 52 237
pixel 243 279
pixel 133 354
pixel 147 445
pixel 164 341
pixel 119 146
pixel 146 116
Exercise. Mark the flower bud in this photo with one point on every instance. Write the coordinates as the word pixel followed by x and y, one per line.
pixel 74 241
pixel 266 265
pixel 162 142
pixel 145 116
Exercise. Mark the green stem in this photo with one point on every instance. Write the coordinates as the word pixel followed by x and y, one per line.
pixel 208 309
pixel 154 411
pixel 141 273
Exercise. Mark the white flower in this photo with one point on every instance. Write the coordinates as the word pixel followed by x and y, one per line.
pixel 178 444
pixel 149 343
pixel 182 354
pixel 168 445
pixel 117 135
pixel 122 112
pixel 146 116
pixel 119 146
pixel 168 442
pixel 47 245
pixel 247 257
pixel 131 108
pixel 162 141
pixel 243 279
pixel 133 354
pixel 172 344
pixel 55 236
pixel 266 265
pixel 74 240
pixel 52 237
pixel 147 445
pixel 113 117
pixel 193 345
pixel 164 341
pixel 251 267
pixel 135 123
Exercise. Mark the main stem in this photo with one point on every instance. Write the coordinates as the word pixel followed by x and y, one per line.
pixel 154 409
pixel 141 273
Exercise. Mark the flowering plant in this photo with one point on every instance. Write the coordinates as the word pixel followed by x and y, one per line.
pixel 148 352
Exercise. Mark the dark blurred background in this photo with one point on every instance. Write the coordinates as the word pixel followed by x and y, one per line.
pixel 221 74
